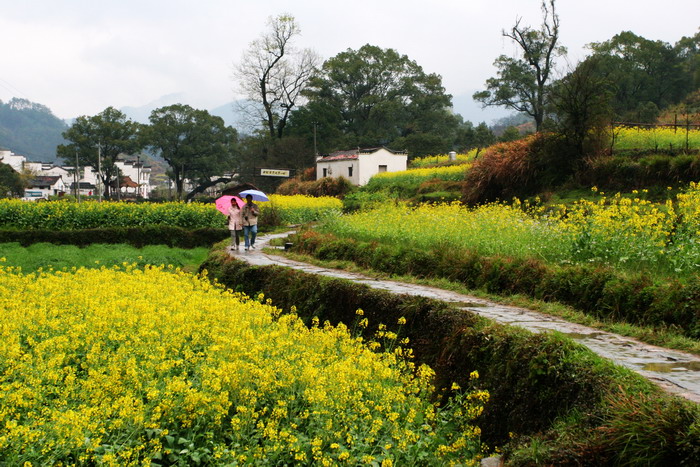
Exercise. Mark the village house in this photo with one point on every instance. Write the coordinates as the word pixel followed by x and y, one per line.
pixel 43 186
pixel 13 160
pixel 134 176
pixel 359 165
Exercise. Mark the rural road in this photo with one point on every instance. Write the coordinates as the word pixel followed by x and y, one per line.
pixel 675 371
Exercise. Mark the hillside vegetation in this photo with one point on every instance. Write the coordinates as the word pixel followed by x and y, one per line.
pixel 30 129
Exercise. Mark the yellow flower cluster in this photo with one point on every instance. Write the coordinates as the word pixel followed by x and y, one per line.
pixel 451 172
pixel 60 215
pixel 490 229
pixel 121 366
pixel 656 138
pixel 442 158
pixel 297 209
pixel 630 233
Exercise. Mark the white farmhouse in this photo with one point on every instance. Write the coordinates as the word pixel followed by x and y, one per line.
pixel 359 165
pixel 43 186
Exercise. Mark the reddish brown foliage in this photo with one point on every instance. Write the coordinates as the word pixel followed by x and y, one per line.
pixel 503 170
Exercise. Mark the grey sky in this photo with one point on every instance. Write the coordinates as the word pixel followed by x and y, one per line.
pixel 81 56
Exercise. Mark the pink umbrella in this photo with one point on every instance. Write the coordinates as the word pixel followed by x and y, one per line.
pixel 223 204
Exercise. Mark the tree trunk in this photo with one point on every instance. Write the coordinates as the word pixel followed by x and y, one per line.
pixel 200 188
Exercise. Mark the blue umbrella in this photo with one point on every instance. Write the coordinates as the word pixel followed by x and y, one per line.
pixel 256 194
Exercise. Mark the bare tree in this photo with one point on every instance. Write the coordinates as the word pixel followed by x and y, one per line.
pixel 522 82
pixel 272 74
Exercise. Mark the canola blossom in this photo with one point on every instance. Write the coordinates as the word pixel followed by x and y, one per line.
pixel 426 161
pixel 297 209
pixel 60 215
pixel 656 138
pixel 413 177
pixel 626 233
pixel 128 366
pixel 488 229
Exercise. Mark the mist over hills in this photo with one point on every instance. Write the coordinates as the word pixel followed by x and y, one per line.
pixel 228 111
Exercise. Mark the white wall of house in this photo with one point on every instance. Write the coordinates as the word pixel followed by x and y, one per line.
pixel 55 170
pixel 15 161
pixel 360 166
pixel 380 161
pixel 347 168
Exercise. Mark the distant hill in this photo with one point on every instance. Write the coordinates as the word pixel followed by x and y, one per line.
pixel 30 129
pixel 228 112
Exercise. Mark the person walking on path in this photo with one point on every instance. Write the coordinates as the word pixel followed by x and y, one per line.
pixel 235 223
pixel 250 213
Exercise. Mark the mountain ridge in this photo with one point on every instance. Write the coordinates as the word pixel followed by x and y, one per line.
pixel 30 129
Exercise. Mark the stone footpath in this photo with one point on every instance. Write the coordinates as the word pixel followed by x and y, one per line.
pixel 675 371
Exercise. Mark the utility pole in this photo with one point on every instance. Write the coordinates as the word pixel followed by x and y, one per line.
pixel 119 185
pixel 138 176
pixel 99 169
pixel 315 150
pixel 77 176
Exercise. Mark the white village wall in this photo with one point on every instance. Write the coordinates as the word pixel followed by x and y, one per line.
pixel 369 164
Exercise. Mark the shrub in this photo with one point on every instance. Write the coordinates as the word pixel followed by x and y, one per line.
pixel 326 186
pixel 502 171
pixel 135 236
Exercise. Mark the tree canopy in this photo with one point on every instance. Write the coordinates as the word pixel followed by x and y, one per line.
pixel 647 75
pixel 196 145
pixel 374 96
pixel 12 183
pixel 104 136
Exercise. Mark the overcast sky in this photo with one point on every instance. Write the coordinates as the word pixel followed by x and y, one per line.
pixel 80 56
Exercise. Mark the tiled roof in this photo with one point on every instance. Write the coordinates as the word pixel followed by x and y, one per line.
pixel 351 154
pixel 46 181
pixel 338 156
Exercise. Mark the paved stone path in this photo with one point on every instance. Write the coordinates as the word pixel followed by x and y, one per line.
pixel 677 372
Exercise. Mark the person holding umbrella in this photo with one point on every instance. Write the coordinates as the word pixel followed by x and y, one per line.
pixel 250 214
pixel 235 223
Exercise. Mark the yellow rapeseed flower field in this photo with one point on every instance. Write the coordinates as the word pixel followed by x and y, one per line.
pixel 61 215
pixel 627 233
pixel 124 366
pixel 442 158
pixel 656 138
pixel 450 172
pixel 297 209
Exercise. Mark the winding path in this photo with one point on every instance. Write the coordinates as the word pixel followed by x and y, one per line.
pixel 675 371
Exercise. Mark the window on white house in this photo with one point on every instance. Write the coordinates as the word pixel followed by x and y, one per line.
pixel 325 172
pixel 382 168
pixel 350 171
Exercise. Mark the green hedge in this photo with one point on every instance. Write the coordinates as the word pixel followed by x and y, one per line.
pixel 597 291
pixel 625 172
pixel 534 380
pixel 135 236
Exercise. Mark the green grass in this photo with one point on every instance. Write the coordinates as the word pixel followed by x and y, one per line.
pixel 667 337
pixel 47 255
